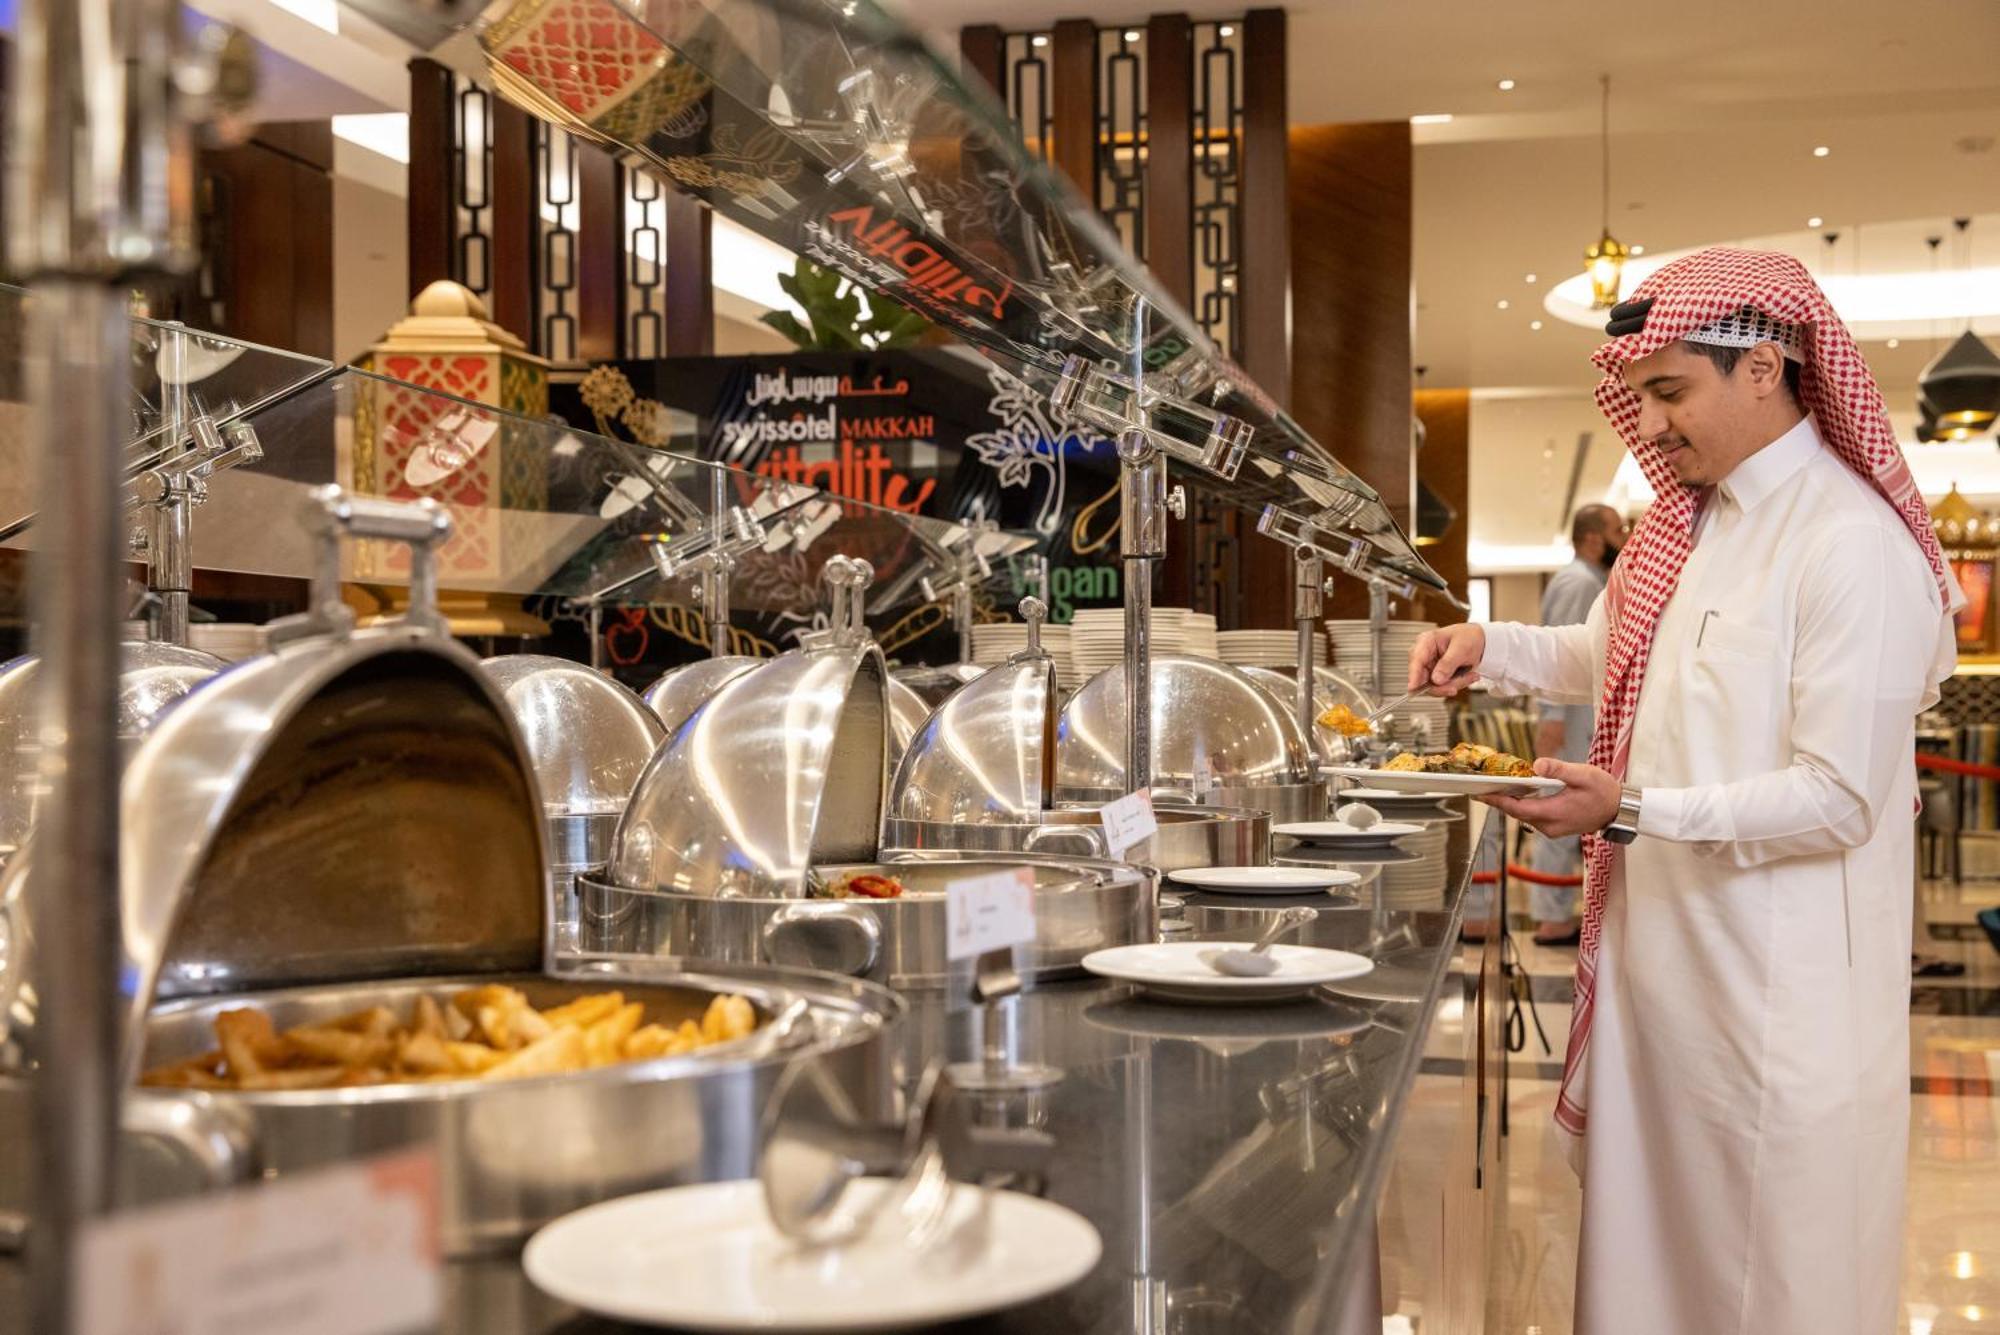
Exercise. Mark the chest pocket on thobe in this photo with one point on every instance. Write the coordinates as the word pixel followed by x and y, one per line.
pixel 1737 684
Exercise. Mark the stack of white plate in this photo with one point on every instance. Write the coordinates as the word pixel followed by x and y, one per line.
pixel 1352 655
pixel 1265 648
pixel 1419 883
pixel 230 641
pixel 997 641
pixel 1097 636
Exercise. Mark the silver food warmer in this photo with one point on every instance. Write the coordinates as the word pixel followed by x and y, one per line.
pixel 589 738
pixel 1330 688
pixel 772 793
pixel 1216 735
pixel 351 821
pixel 981 778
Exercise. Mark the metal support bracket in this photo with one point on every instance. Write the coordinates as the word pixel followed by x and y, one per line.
pixel 1105 401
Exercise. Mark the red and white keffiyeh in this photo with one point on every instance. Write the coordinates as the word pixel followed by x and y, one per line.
pixel 1838 390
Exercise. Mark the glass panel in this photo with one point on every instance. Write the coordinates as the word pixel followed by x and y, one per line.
pixel 833 130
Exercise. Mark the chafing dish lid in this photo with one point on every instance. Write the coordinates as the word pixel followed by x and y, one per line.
pixel 1206 716
pixel 783 767
pixel 589 736
pixel 988 753
pixel 682 690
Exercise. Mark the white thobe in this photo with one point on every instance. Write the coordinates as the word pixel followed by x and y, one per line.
pixel 1748 1080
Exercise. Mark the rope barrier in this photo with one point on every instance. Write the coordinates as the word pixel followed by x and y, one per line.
pixel 1528 874
pixel 1949 766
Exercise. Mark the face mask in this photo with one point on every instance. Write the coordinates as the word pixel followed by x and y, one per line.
pixel 1610 557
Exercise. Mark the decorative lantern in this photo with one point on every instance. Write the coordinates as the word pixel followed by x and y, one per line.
pixel 1963 384
pixel 479 465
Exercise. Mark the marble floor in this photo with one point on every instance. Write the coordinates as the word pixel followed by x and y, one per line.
pixel 1951 1282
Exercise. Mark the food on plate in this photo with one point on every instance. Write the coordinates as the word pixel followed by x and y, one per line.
pixel 1358 816
pixel 481 1033
pixel 1465 758
pixel 862 885
pixel 1345 722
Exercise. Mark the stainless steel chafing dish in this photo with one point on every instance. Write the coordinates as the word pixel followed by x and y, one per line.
pixel 589 739
pixel 353 820
pixel 152 677
pixel 936 684
pixel 682 690
pixel 773 790
pixel 1216 735
pixel 981 777
pixel 1330 688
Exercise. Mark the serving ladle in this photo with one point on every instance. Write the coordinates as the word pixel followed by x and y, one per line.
pixel 1256 962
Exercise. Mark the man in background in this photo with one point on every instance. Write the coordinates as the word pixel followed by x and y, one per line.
pixel 1596 532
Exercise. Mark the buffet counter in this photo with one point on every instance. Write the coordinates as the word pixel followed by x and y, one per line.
pixel 1232 1158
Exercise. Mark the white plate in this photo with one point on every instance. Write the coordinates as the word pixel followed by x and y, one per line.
pixel 1390 797
pixel 708 1258
pixel 1263 880
pixel 1333 833
pixel 1175 969
pixel 1467 785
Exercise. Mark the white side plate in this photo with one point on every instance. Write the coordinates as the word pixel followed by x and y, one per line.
pixel 1264 880
pixel 1466 785
pixel 1333 833
pixel 708 1258
pixel 1175 969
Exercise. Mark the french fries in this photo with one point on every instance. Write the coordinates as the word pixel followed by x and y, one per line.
pixel 482 1033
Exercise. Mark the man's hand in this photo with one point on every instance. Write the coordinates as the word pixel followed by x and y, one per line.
pixel 1439 657
pixel 1588 803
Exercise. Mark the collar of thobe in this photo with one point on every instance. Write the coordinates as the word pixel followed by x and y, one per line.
pixel 1751 482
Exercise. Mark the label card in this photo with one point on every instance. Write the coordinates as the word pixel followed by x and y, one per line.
pixel 351 1250
pixel 983 913
pixel 1128 822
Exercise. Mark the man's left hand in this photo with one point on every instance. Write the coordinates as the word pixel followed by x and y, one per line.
pixel 1588 802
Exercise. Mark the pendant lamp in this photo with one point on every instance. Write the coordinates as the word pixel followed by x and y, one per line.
pixel 1604 259
pixel 1963 385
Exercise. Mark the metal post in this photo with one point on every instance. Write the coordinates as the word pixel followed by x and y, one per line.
pixel 169 535
pixel 1308 583
pixel 1142 540
pixel 715 579
pixel 1378 637
pixel 98 182
pixel 961 615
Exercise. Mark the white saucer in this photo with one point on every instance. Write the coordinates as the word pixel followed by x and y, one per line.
pixel 1263 880
pixel 1339 834
pixel 1390 797
pixel 1457 785
pixel 1175 969
pixel 708 1258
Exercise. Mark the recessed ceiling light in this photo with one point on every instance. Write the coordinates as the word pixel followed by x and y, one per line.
pixel 1895 342
pixel 1502 303
pixel 1821 151
pixel 1131 34
pixel 1228 31
pixel 1815 221
pixel 1506 85
pixel 1638 250
pixel 1528 279
pixel 1534 324
pixel 1432 118
pixel 1040 39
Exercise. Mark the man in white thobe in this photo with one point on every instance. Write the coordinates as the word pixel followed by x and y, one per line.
pixel 1739 1063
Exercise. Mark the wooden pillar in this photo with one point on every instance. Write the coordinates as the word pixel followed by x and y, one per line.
pixel 1444 465
pixel 982 51
pixel 268 244
pixel 431 218
pixel 1351 288
pixel 1073 103
pixel 1170 154
pixel 1263 585
pixel 600 254
pixel 516 224
pixel 690 294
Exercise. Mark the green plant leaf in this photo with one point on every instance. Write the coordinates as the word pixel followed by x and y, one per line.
pixel 788 325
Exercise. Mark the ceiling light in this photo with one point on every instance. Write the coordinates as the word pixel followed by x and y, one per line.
pixel 1534 324
pixel 1638 250
pixel 1604 258
pixel 1963 382
pixel 1131 34
pixel 1228 31
pixel 1432 118
pixel 1815 221
pixel 1502 303
pixel 1895 342
pixel 1529 278
pixel 1506 85
pixel 1040 39
pixel 1821 151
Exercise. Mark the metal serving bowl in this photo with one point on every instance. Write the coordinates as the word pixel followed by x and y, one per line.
pixel 1081 905
pixel 1217 735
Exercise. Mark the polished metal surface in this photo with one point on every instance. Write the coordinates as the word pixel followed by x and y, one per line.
pixel 907 714
pixel 987 754
pixel 588 736
pixel 937 684
pixel 1203 836
pixel 1212 726
pixel 522 1152
pixel 783 768
pixel 1081 905
pixel 151 679
pixel 1330 688
pixel 682 690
